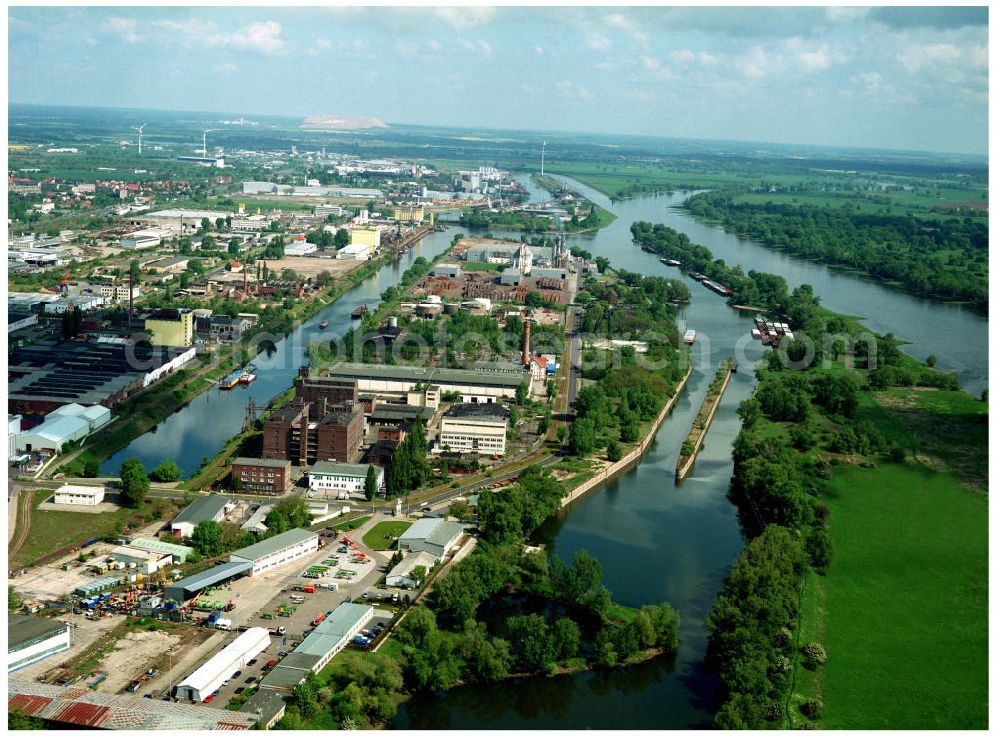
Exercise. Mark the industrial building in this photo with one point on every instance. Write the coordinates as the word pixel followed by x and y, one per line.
pixel 300 249
pixel 473 385
pixel 447 269
pixel 178 552
pixel 100 585
pixel 358 252
pixel 70 422
pixel 79 495
pixel 49 374
pixel 400 576
pixel 142 560
pixel 349 479
pixel 267 706
pixel 141 239
pixel 222 665
pixel 367 235
pixel 277 550
pixel 184 590
pixel 475 427
pixel 205 508
pixel 314 389
pixel 320 646
pixel 433 535
pixel 31 639
pixel 306 433
pixel 272 476
pixel 75 707
pixel 171 327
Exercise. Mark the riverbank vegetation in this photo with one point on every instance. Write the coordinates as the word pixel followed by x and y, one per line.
pixel 588 217
pixel 945 259
pixel 863 499
pixel 690 446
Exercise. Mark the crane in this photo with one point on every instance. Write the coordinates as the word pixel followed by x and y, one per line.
pixel 139 129
pixel 204 137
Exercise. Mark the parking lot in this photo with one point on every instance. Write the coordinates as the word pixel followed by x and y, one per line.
pixel 272 593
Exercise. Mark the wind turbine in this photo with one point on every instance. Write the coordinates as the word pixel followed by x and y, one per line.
pixel 139 129
pixel 204 135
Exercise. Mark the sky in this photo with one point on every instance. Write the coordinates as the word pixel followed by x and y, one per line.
pixel 890 77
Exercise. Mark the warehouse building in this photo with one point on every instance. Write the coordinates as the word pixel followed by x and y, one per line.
pixel 433 535
pixel 271 476
pixel 70 422
pixel 79 495
pixel 100 585
pixel 73 707
pixel 349 479
pixel 475 427
pixel 234 656
pixel 401 576
pixel 320 646
pixel 184 590
pixel 49 374
pixel 142 560
pixel 357 252
pixel 205 508
pixel 277 550
pixel 31 639
pixel 267 706
pixel 178 552
pixel 474 386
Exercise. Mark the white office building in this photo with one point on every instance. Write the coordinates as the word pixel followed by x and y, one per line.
pixel 278 550
pixel 79 495
pixel 31 639
pixel 343 480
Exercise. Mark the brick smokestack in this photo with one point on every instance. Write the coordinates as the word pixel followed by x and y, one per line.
pixel 526 348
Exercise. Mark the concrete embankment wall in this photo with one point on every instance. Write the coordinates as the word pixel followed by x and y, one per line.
pixel 684 469
pixel 632 458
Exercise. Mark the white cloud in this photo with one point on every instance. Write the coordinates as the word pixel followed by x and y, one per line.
pixel 917 57
pixel 753 64
pixel 597 41
pixel 871 80
pixel 434 45
pixel 264 38
pixel 463 18
pixel 226 68
pixel 569 89
pixel 540 51
pixel 127 28
pixel 530 89
pixel 847 14
pixel 619 21
pixel 478 46
pixel 407 48
pixel 322 43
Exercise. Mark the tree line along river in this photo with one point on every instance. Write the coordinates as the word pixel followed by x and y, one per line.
pixel 656 540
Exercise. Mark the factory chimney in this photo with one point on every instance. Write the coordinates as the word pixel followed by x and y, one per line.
pixel 526 348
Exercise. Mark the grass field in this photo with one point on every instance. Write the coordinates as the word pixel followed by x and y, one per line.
pixel 905 601
pixel 383 535
pixel 53 530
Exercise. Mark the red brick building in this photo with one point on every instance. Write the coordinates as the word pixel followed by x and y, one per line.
pixel 272 476
pixel 306 433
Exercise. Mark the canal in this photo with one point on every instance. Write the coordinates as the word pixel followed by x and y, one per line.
pixel 660 541
pixel 202 427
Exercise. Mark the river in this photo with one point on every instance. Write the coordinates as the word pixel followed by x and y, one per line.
pixel 660 541
pixel 657 541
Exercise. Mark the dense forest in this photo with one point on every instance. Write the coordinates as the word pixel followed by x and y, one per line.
pixel 946 259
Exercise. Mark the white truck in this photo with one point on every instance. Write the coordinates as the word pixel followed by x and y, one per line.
pixel 224 624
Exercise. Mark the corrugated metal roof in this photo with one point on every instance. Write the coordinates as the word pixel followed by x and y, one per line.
pixel 401 373
pixel 83 707
pixel 211 576
pixel 221 665
pixel 155 545
pixel 202 509
pixel 274 544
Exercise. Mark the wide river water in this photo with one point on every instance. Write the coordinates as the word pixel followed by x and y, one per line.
pixel 657 541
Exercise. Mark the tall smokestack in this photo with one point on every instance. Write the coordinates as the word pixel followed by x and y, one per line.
pixel 526 349
pixel 131 286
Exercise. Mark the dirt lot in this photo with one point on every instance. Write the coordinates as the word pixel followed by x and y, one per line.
pixel 312 266
pixel 132 656
pixel 84 634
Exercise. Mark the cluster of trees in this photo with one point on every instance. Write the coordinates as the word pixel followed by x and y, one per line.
pixel 507 516
pixel 349 695
pixel 612 410
pixel 408 469
pixel 944 258
pixel 412 274
pixel 134 483
pixel 165 471
pixel 653 626
pixel 324 238
pixel 750 628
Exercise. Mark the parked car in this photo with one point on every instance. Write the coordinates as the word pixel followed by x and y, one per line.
pixel 239 690
pixel 237 674
pixel 252 662
pixel 209 698
pixel 250 680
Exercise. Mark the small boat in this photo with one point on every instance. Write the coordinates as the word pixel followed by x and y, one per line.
pixel 671 262
pixel 689 336
pixel 247 377
pixel 324 324
pixel 359 311
pixel 231 380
